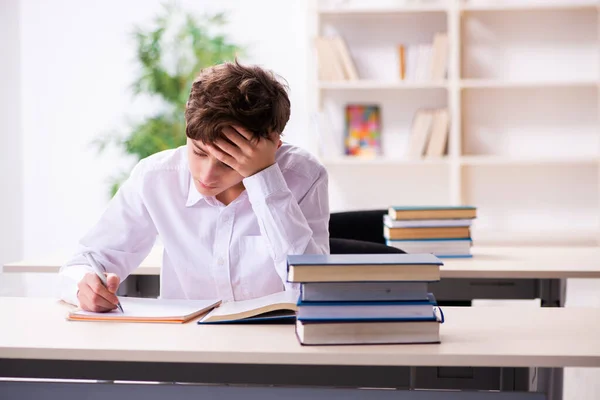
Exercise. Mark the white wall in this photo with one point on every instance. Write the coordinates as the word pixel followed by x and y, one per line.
pixel 11 194
pixel 77 61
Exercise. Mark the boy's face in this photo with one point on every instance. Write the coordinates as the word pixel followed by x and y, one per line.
pixel 210 175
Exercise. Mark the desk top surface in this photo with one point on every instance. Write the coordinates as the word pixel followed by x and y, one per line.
pixel 34 328
pixel 487 262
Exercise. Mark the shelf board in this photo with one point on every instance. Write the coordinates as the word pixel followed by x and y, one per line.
pixel 493 84
pixel 372 84
pixel 564 6
pixel 349 160
pixel 368 11
pixel 506 160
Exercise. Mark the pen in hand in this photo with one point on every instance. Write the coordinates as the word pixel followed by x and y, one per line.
pixel 98 270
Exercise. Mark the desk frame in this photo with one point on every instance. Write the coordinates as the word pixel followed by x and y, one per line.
pixel 293 376
pixel 455 292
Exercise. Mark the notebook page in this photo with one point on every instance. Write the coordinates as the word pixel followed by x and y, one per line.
pixel 238 307
pixel 134 307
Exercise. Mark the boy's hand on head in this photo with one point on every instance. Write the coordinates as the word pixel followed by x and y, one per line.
pixel 245 154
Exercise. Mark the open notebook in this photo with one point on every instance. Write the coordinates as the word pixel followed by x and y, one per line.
pixel 150 310
pixel 278 307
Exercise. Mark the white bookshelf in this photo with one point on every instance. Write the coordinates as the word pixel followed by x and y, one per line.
pixel 523 92
pixel 504 84
pixel 565 5
pixel 373 84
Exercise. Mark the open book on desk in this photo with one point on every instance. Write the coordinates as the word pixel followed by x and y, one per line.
pixel 280 307
pixel 150 310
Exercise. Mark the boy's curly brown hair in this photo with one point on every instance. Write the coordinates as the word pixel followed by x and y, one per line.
pixel 234 94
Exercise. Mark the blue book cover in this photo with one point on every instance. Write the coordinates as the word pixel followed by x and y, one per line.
pixel 362 259
pixel 430 300
pixel 368 311
pixel 391 241
pixel 416 208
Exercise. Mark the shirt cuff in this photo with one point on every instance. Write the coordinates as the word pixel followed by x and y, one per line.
pixel 264 183
pixel 70 276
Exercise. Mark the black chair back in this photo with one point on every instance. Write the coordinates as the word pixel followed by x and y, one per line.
pixel 351 246
pixel 364 225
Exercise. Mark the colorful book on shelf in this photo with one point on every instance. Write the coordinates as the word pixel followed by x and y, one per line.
pixel 278 307
pixel 362 267
pixel 150 310
pixel 432 212
pixel 363 130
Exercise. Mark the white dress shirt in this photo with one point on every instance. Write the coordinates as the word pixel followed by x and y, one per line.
pixel 232 252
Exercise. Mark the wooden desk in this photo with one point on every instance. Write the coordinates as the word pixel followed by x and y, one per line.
pixel 487 262
pixel 52 263
pixel 492 273
pixel 41 343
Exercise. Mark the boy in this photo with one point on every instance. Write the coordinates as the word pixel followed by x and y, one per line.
pixel 229 206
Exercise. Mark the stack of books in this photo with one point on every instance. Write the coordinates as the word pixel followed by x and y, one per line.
pixel 443 231
pixel 366 298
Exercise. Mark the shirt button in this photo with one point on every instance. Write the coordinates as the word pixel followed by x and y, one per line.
pixel 220 261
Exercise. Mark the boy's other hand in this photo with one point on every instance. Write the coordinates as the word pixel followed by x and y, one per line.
pixel 93 296
pixel 243 153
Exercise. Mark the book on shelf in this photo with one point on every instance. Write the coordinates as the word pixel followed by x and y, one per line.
pixel 274 308
pixel 429 133
pixel 439 58
pixel 362 267
pixel 402 61
pixel 424 62
pixel 438 137
pixel 335 61
pixel 362 130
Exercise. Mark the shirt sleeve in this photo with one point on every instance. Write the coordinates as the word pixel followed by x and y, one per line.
pixel 119 241
pixel 290 226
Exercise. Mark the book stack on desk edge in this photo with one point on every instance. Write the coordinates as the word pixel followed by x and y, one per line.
pixel 366 298
pixel 444 231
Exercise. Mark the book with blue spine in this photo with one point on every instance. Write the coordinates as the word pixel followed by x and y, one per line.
pixel 368 311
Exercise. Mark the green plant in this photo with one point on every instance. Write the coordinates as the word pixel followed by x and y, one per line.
pixel 170 55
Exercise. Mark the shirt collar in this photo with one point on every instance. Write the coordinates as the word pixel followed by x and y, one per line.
pixel 193 195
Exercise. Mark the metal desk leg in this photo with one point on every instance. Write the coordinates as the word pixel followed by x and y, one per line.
pixel 552 292
pixel 548 381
